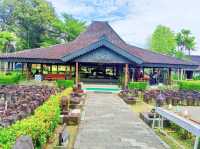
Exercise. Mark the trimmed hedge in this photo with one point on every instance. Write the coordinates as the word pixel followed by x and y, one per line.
pixel 196 78
pixel 39 126
pixel 189 85
pixel 65 83
pixel 137 85
pixel 11 78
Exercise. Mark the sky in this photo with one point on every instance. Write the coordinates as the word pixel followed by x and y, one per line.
pixel 135 20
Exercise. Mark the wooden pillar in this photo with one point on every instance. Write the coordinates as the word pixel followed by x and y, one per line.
pixel 57 68
pixel 77 73
pixel 170 76
pixel 70 71
pixel 41 68
pixel 29 65
pixel 50 68
pixel 8 67
pixel 14 65
pixel 126 76
pixel 22 68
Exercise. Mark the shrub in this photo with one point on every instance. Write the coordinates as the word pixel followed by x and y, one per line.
pixel 189 85
pixel 65 83
pixel 196 77
pixel 137 85
pixel 10 78
pixel 39 126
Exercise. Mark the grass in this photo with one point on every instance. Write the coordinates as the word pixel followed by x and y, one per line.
pixel 141 107
pixel 178 143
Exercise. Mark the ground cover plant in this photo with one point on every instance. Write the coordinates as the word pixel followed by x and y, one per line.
pixel 21 101
pixel 39 126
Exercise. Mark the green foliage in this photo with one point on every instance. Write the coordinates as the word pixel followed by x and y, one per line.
pixel 189 85
pixel 10 78
pixel 137 85
pixel 163 40
pixel 196 77
pixel 180 55
pixel 39 126
pixel 67 29
pixel 185 40
pixel 6 39
pixel 36 24
pixel 65 83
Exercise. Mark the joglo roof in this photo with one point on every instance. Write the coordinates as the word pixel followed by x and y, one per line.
pixel 96 35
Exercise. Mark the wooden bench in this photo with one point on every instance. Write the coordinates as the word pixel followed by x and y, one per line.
pixel 54 77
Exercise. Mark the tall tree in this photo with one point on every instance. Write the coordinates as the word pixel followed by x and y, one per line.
pixel 185 40
pixel 7 41
pixel 64 30
pixel 163 40
pixel 30 19
pixel 36 24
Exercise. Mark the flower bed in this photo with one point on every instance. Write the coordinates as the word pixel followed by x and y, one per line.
pixel 39 126
pixel 130 96
pixel 179 97
pixel 21 101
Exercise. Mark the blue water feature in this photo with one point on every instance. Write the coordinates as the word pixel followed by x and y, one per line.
pixel 103 90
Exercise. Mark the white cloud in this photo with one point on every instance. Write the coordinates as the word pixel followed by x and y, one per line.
pixel 135 20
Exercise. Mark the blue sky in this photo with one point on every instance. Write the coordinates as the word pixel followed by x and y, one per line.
pixel 135 20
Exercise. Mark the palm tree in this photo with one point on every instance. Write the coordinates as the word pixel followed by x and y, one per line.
pixel 180 42
pixel 190 44
pixel 185 40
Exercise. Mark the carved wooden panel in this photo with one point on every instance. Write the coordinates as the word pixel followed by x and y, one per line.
pixel 102 55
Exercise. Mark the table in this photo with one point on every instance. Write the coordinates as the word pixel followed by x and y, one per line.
pixel 185 123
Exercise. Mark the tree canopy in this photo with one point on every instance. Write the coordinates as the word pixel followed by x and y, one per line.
pixel 163 40
pixel 6 39
pixel 185 41
pixel 36 24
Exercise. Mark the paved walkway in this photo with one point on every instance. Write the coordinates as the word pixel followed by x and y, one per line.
pixel 110 124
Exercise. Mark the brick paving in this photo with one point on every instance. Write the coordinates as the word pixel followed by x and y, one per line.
pixel 109 123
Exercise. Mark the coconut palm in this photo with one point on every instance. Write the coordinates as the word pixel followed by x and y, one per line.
pixel 185 40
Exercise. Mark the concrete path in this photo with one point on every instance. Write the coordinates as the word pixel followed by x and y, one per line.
pixel 110 124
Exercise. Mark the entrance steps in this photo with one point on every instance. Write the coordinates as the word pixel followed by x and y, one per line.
pixel 101 88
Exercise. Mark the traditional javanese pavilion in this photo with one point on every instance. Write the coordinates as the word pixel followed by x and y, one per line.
pixel 98 54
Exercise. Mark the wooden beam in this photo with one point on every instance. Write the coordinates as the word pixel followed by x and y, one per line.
pixel 51 68
pixel 126 76
pixel 57 68
pixel 29 66
pixel 42 67
pixel 170 76
pixel 70 71
pixel 22 68
pixel 77 73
